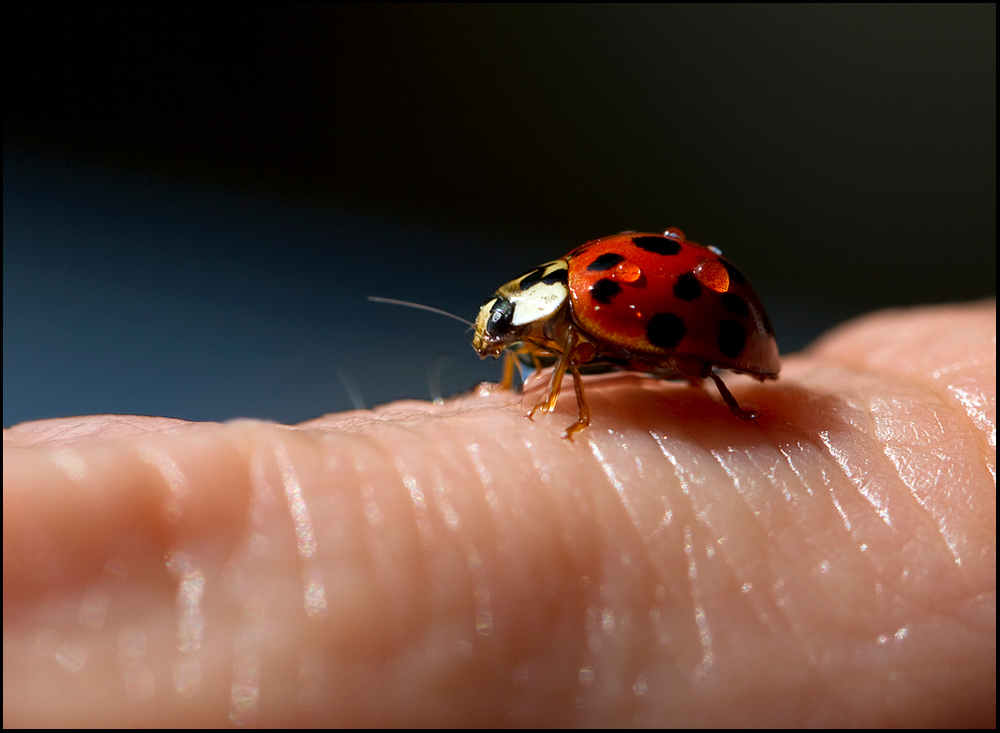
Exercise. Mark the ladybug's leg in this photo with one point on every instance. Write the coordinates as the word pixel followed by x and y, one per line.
pixel 566 361
pixel 573 354
pixel 548 402
pixel 727 397
pixel 582 405
pixel 507 381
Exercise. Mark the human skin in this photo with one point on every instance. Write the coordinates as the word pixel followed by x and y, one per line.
pixel 831 563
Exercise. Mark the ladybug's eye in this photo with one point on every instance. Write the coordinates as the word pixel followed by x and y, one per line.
pixel 501 315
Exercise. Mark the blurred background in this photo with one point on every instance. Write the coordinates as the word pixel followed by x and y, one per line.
pixel 198 199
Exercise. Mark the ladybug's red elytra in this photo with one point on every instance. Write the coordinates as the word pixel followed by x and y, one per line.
pixel 655 303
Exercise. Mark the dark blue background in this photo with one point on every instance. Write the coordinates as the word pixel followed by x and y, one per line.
pixel 197 201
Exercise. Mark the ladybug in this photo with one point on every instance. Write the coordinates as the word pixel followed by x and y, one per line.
pixel 654 303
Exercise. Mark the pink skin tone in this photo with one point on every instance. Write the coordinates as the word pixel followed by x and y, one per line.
pixel 833 563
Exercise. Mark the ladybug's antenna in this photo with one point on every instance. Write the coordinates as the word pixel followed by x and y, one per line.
pixel 418 306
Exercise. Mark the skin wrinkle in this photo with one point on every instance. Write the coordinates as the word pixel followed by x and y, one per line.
pixel 498 517
pixel 458 589
pixel 401 550
pixel 554 576
pixel 846 570
pixel 914 485
pixel 737 548
pixel 270 550
pixel 440 498
pixel 686 524
pixel 567 546
pixel 353 559
pixel 429 593
pixel 616 484
pixel 940 503
pixel 742 493
pixel 598 615
pixel 977 405
pixel 765 510
pixel 449 499
pixel 872 357
pixel 610 623
pixel 911 490
pixel 871 534
pixel 865 480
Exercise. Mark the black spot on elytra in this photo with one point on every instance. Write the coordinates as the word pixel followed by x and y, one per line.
pixel 687 287
pixel 735 305
pixel 604 290
pixel 665 330
pixel 532 278
pixel 734 275
pixel 501 315
pixel 732 338
pixel 556 276
pixel 658 245
pixel 605 262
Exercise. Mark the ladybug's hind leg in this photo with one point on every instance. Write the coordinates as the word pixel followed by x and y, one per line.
pixel 727 397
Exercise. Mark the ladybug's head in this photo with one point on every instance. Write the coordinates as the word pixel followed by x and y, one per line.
pixel 495 328
pixel 519 307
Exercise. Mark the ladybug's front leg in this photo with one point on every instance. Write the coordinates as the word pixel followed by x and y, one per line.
pixel 548 402
pixel 509 363
pixel 573 354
